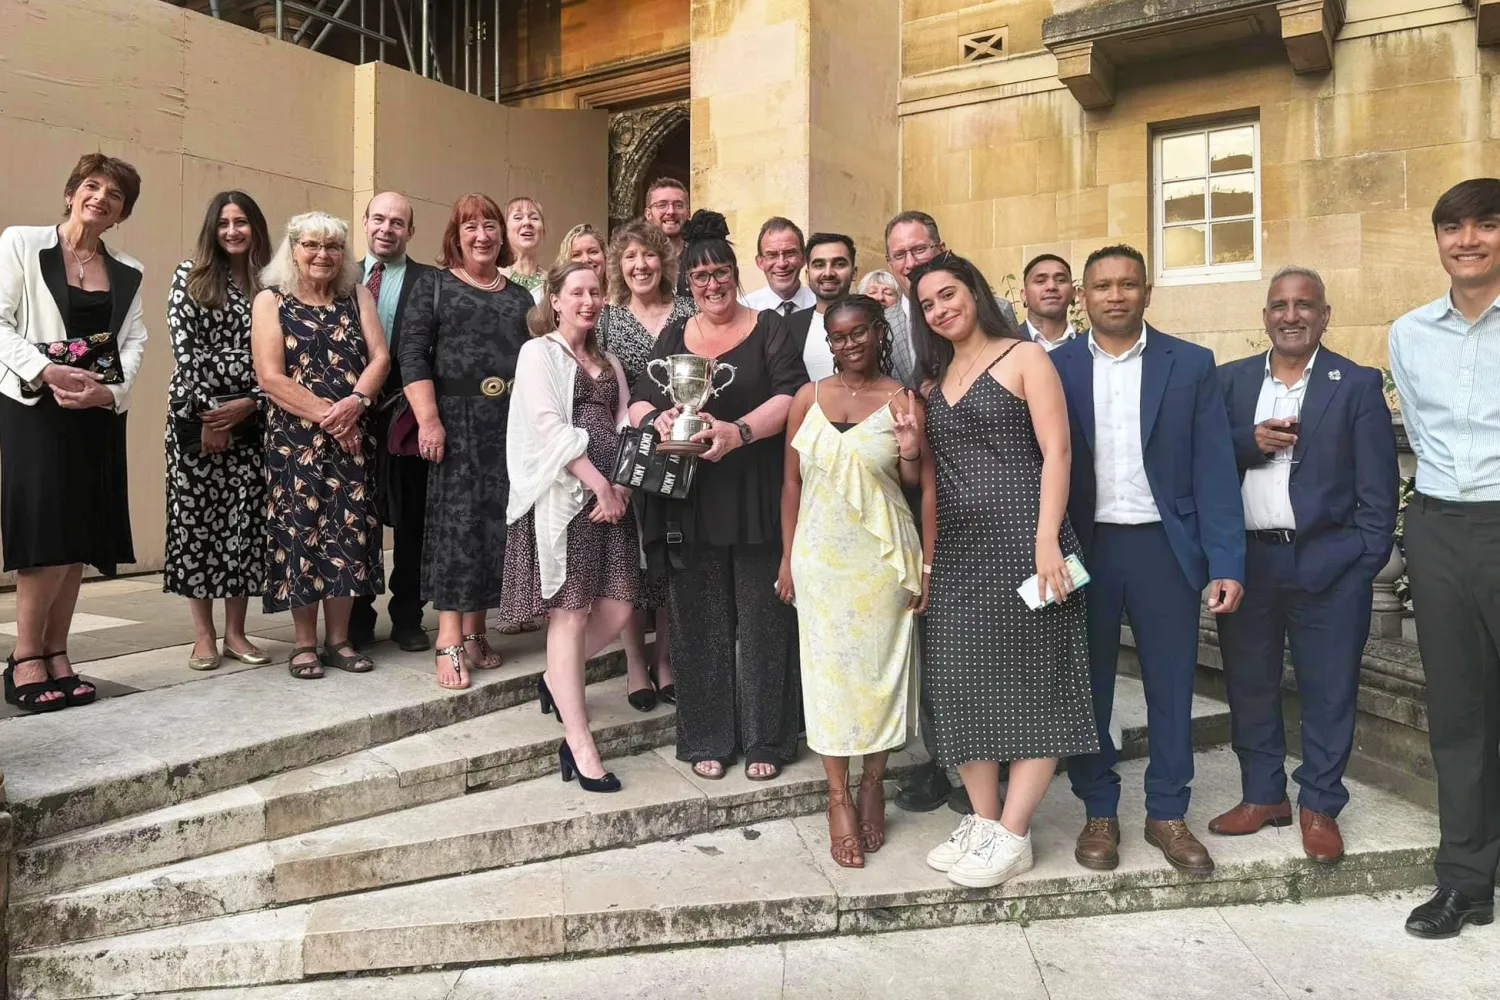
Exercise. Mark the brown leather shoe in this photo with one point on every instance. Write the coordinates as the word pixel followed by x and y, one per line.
pixel 1248 818
pixel 1099 844
pixel 1320 836
pixel 1182 850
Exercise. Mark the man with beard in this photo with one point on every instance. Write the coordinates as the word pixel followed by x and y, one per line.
pixel 830 274
pixel 1047 291
pixel 667 210
pixel 780 254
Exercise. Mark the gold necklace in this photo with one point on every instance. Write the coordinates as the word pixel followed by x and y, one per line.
pixel 862 388
pixel 493 285
pixel 81 260
pixel 965 373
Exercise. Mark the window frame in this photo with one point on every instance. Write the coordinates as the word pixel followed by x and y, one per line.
pixel 1208 273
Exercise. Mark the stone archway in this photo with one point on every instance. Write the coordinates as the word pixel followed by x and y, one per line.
pixel 635 138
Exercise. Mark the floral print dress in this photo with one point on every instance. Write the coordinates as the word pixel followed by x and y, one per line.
pixel 322 526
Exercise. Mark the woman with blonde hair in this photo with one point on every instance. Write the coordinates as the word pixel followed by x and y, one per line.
pixel 525 228
pixel 320 358
pixel 583 243
pixel 880 286
pixel 571 546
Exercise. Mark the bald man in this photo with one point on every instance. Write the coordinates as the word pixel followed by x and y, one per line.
pixel 389 225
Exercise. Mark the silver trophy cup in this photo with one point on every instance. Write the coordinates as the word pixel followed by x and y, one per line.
pixel 689 384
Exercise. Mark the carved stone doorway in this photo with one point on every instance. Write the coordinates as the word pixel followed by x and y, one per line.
pixel 644 144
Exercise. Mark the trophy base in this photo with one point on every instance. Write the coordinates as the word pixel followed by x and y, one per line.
pixel 682 447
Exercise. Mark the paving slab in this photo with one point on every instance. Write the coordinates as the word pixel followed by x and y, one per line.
pixel 991 961
pixel 413 986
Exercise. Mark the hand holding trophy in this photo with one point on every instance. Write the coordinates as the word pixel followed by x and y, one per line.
pixel 689 385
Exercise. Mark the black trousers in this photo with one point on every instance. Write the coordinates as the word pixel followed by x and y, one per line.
pixel 1453 560
pixel 725 603
pixel 407 475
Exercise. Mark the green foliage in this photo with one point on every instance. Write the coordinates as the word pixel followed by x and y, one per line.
pixel 1010 290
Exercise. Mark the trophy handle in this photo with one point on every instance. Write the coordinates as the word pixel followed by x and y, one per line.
pixel 722 368
pixel 651 373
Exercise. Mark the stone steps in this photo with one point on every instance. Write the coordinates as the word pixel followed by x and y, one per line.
pixel 770 879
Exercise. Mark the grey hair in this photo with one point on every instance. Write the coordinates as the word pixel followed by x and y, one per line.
pixel 1297 270
pixel 872 278
pixel 282 271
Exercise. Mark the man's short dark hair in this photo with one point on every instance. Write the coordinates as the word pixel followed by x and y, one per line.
pixel 819 239
pixel 1117 250
pixel 1042 258
pixel 927 221
pixel 1478 198
pixel 777 224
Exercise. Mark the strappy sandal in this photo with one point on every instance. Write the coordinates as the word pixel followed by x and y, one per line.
pixel 711 776
pixel 844 848
pixel 487 658
pixel 305 671
pixel 872 818
pixel 353 662
pixel 455 655
pixel 27 697
pixel 76 691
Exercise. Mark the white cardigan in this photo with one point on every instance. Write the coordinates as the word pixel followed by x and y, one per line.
pixel 33 291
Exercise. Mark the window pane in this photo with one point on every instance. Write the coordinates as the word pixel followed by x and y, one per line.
pixel 1183 201
pixel 1234 242
pixel 1183 156
pixel 1233 195
pixel 1183 246
pixel 1232 149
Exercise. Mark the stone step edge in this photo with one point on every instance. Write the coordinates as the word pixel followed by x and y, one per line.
pixel 65 916
pixel 247 816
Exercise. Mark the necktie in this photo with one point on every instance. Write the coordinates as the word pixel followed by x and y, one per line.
pixel 787 307
pixel 377 274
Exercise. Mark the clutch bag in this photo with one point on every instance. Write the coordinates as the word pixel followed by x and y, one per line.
pixel 95 353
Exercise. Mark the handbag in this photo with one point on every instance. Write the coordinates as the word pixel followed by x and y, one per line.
pixel 639 466
pixel 401 422
pixel 189 430
pixel 95 353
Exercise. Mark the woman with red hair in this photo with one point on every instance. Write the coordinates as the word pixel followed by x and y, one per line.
pixel 461 333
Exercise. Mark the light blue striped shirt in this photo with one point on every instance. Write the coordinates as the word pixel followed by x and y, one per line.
pixel 1447 372
pixel 390 289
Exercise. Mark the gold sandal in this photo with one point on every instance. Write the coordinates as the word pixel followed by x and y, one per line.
pixel 488 660
pixel 455 655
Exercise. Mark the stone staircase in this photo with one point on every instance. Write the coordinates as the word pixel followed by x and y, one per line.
pixel 460 846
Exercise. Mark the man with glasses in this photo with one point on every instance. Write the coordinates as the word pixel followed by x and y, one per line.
pixel 780 254
pixel 667 210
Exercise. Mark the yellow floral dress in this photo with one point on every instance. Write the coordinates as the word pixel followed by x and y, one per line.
pixel 856 562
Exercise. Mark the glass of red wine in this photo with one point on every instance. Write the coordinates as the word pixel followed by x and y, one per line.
pixel 1288 408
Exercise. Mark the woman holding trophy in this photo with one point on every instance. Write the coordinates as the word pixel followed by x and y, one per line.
pixel 721 547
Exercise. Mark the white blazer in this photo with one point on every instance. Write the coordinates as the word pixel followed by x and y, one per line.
pixel 33 295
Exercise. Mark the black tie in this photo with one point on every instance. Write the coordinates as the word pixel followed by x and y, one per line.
pixel 787 307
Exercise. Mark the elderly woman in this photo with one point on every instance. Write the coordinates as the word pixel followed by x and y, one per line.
pixel 643 274
pixel 524 231
pixel 460 335
pixel 881 286
pixel 722 575
pixel 71 340
pixel 216 480
pixel 571 547
pixel 320 358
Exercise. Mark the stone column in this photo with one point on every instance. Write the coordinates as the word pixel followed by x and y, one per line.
pixel 794 114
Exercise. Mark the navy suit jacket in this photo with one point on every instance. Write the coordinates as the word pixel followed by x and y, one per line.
pixel 1188 455
pixel 1345 482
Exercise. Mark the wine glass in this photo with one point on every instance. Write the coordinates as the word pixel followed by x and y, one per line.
pixel 1287 408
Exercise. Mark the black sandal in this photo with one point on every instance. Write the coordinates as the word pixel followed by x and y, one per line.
pixel 27 697
pixel 80 692
pixel 775 767
pixel 305 671
pixel 353 662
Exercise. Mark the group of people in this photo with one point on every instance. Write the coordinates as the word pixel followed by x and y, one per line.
pixel 903 480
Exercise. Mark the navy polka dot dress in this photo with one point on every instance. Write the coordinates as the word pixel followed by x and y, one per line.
pixel 1004 682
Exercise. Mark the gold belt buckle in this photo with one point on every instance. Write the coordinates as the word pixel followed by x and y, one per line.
pixel 493 386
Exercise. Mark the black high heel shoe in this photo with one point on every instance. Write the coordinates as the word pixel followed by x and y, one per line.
pixel 568 767
pixel 544 698
pixel 666 695
pixel 27 697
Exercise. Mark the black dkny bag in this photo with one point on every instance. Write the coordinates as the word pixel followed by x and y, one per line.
pixel 639 466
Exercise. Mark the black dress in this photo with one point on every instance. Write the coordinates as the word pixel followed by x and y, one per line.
pixel 215 503
pixel 457 335
pixel 64 491
pixel 734 643
pixel 1003 682
pixel 322 526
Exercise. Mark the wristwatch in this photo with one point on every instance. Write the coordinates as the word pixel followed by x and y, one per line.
pixel 363 399
pixel 746 434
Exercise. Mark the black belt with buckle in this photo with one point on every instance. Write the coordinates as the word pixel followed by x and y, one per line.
pixel 492 386
pixel 1274 536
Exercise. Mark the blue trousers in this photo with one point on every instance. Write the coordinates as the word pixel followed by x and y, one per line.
pixel 1326 632
pixel 1135 572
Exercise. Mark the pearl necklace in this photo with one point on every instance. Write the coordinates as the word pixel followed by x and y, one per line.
pixel 492 285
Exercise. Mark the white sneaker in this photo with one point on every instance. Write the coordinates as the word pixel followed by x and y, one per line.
pixel 946 855
pixel 995 855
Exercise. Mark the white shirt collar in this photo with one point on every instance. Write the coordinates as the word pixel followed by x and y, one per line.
pixel 1306 372
pixel 1041 338
pixel 1134 352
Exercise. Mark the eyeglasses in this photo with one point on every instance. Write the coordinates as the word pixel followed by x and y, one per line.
pixel 662 206
pixel 313 247
pixel 915 254
pixel 786 255
pixel 858 335
pixel 718 276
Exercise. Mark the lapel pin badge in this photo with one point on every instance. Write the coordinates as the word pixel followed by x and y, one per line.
pixel 1334 375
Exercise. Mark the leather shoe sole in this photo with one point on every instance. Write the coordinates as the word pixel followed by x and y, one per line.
pixel 1186 869
pixel 1479 915
pixel 1097 864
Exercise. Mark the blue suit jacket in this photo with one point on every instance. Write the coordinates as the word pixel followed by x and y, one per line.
pixel 1185 443
pixel 1346 482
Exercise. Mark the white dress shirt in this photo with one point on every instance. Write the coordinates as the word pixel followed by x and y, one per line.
pixel 1041 338
pixel 1267 489
pixel 765 298
pixel 1123 494
pixel 816 354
